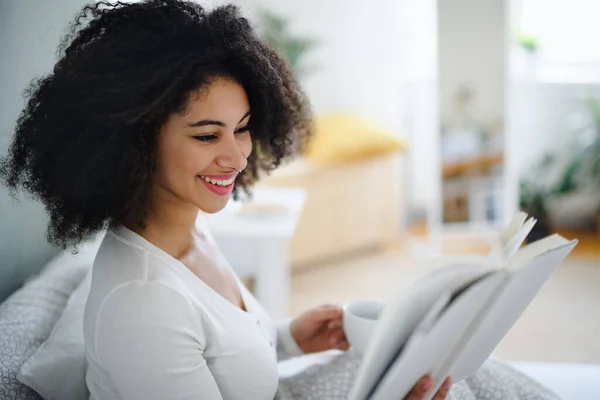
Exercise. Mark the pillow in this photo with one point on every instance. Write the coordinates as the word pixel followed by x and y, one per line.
pixel 57 369
pixel 341 138
pixel 29 314
pixel 86 252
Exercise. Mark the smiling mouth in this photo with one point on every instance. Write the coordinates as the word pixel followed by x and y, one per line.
pixel 218 182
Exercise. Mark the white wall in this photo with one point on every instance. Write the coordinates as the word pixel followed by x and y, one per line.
pixel 472 49
pixel 543 118
pixel 361 58
pixel 30 32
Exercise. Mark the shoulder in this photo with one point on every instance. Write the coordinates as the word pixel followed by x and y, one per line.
pixel 133 292
pixel 133 287
pixel 126 268
pixel 139 313
pixel 144 302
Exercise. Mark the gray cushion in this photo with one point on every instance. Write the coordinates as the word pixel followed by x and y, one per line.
pixel 57 369
pixel 28 316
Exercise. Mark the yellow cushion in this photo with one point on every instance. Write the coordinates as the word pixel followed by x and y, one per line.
pixel 341 138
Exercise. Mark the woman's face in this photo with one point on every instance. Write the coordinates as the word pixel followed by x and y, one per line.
pixel 201 150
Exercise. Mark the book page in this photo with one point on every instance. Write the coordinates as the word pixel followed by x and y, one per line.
pixel 523 285
pixel 512 237
pixel 399 334
pixel 532 250
pixel 402 315
pixel 431 347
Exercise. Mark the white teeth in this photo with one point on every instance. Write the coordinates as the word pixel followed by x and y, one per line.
pixel 218 182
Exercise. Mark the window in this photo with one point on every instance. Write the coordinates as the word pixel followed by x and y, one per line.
pixel 568 33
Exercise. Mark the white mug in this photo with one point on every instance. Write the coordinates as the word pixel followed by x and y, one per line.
pixel 359 321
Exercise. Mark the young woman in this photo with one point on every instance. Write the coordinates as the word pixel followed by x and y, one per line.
pixel 156 113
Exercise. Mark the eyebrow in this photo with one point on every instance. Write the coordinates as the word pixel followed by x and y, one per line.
pixel 206 122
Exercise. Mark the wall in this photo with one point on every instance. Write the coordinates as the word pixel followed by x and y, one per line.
pixel 359 65
pixel 472 48
pixel 30 32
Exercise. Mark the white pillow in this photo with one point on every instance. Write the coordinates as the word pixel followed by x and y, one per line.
pixel 56 371
pixel 86 254
pixel 27 318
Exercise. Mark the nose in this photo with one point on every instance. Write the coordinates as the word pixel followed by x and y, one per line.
pixel 232 153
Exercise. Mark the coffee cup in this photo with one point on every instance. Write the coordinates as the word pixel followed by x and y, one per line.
pixel 359 321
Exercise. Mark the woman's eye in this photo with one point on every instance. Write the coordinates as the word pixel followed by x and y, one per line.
pixel 205 138
pixel 243 130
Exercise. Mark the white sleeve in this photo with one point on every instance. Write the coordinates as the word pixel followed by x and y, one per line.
pixel 151 343
pixel 286 344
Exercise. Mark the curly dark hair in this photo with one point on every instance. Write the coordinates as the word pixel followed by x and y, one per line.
pixel 86 143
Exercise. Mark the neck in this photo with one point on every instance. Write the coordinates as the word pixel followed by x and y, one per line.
pixel 170 223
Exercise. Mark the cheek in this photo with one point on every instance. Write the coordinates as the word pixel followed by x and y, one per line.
pixel 196 160
pixel 246 146
pixel 163 166
pixel 182 161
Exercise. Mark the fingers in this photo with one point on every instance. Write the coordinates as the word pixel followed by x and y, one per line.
pixel 335 324
pixel 329 307
pixel 327 312
pixel 343 345
pixel 328 319
pixel 443 392
pixel 336 335
pixel 424 385
pixel 419 391
pixel 337 339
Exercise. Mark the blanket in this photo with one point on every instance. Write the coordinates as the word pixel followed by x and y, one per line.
pixel 333 380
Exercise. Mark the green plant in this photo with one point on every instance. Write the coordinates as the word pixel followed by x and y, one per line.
pixel 274 29
pixel 584 166
pixel 580 171
pixel 529 43
pixel 594 149
pixel 532 200
pixel 533 194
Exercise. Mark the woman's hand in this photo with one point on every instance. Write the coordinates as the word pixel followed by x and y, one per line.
pixel 319 329
pixel 424 385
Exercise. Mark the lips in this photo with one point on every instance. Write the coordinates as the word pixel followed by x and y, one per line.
pixel 221 185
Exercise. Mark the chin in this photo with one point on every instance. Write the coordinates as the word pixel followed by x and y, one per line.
pixel 213 207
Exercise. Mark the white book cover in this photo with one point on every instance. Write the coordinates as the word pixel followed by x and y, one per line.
pixel 450 321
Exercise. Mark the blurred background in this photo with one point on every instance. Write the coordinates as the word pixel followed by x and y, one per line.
pixel 436 121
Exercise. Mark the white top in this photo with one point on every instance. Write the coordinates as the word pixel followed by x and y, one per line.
pixel 154 330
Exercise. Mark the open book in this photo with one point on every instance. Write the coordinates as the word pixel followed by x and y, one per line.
pixel 451 320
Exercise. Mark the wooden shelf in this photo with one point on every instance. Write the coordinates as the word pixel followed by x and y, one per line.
pixel 459 168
